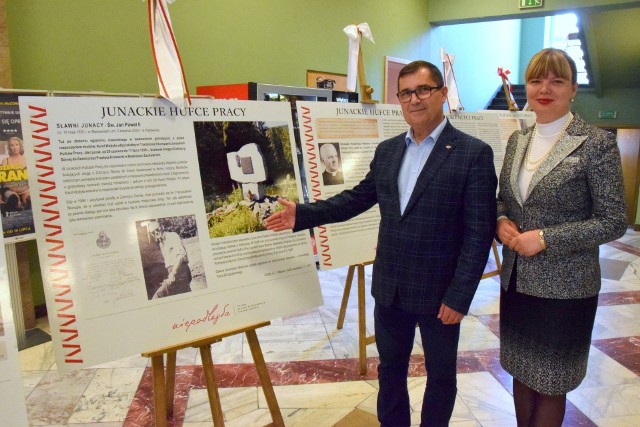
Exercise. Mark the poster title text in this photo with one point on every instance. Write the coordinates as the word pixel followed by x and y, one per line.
pixel 172 111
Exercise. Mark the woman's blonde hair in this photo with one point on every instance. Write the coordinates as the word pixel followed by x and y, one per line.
pixel 554 61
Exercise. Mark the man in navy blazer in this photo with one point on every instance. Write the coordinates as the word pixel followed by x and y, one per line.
pixel 436 189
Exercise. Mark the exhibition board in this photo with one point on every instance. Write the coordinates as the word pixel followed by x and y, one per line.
pixel 347 136
pixel 350 133
pixel 126 190
pixel 493 127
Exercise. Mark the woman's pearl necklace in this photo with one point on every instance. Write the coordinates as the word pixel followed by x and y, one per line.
pixel 533 165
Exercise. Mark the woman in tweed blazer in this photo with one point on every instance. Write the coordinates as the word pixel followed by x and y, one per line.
pixel 560 197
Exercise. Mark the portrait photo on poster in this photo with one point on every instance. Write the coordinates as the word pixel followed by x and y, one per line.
pixel 170 255
pixel 331 163
pixel 244 168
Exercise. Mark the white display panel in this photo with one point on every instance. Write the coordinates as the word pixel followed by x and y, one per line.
pixel 349 133
pixel 124 189
pixel 354 131
pixel 493 127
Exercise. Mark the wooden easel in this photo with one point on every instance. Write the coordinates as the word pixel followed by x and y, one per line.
pixel 507 94
pixel 363 339
pixel 494 248
pixel 163 387
pixel 512 107
pixel 365 90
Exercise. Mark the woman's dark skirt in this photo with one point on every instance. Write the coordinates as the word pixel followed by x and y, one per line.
pixel 544 342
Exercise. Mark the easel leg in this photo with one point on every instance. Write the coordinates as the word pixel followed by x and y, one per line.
pixel 345 297
pixel 16 295
pixel 362 322
pixel 159 391
pixel 363 340
pixel 171 381
pixel 163 390
pixel 212 386
pixel 496 255
pixel 265 380
pixel 494 247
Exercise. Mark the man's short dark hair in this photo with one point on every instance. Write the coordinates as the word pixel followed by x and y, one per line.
pixel 415 66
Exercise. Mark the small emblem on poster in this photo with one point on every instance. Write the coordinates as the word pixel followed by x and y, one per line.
pixel 103 240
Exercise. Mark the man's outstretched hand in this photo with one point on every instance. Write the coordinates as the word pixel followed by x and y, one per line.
pixel 284 219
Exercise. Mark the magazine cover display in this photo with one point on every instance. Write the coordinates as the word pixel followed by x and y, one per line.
pixel 15 197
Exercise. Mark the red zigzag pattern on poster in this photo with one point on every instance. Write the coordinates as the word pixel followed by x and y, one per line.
pixel 315 182
pixel 57 266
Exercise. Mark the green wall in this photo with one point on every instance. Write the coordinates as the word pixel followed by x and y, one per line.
pixel 466 16
pixel 97 45
pixel 457 11
pixel 626 102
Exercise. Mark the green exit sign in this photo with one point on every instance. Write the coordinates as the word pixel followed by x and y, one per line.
pixel 607 114
pixel 528 4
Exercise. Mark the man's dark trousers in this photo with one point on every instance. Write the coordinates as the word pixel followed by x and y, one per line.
pixel 395 332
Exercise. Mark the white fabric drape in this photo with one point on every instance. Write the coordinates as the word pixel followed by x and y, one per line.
pixel 171 78
pixel 453 97
pixel 354 32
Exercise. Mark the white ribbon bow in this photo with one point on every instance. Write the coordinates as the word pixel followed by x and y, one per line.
pixel 453 97
pixel 354 32
pixel 171 78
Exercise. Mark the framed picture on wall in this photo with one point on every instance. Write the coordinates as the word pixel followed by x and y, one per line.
pixel 392 67
pixel 326 80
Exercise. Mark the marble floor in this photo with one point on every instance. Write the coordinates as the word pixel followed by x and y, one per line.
pixel 314 368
